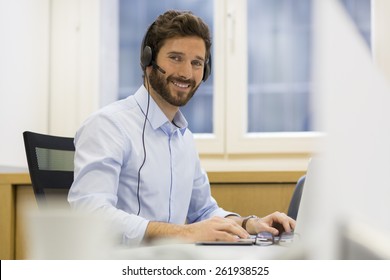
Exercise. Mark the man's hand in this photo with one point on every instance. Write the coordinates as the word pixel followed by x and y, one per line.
pixel 273 223
pixel 216 229
pixel 213 229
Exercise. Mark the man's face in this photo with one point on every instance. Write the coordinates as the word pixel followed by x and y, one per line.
pixel 182 59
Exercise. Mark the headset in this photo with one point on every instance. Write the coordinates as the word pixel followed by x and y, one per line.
pixel 147 57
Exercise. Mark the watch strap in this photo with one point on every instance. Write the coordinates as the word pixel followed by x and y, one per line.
pixel 245 221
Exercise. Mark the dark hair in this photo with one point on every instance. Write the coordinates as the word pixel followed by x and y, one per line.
pixel 176 24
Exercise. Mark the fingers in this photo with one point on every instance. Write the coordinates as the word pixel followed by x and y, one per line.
pixel 224 229
pixel 287 222
pixel 217 229
pixel 277 222
pixel 270 229
pixel 228 229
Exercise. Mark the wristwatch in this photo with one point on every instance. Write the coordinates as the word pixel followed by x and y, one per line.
pixel 246 220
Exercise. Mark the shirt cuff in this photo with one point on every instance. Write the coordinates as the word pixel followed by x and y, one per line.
pixel 136 231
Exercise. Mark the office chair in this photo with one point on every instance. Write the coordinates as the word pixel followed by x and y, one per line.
pixel 50 164
pixel 296 198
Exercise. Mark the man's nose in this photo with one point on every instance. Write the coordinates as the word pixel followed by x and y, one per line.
pixel 185 70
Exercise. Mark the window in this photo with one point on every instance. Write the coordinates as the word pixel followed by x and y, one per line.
pixel 279 65
pixel 257 100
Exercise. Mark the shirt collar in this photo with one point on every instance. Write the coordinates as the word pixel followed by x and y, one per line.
pixel 156 117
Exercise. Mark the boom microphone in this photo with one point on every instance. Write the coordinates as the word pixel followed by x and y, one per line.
pixel 155 66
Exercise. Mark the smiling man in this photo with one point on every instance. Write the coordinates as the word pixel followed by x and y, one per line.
pixel 136 160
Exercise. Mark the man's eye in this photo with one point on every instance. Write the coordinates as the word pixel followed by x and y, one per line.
pixel 197 63
pixel 176 58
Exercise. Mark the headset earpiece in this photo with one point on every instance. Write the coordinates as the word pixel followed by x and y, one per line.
pixel 207 69
pixel 146 57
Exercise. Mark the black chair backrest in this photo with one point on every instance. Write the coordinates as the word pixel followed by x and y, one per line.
pixel 50 164
pixel 296 198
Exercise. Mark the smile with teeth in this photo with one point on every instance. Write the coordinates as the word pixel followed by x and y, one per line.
pixel 181 85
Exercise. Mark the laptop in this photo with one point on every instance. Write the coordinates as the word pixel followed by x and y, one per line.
pixel 266 238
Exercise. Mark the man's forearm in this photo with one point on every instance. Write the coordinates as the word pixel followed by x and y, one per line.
pixel 215 228
pixel 164 230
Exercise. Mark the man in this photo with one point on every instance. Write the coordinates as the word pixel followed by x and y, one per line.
pixel 136 159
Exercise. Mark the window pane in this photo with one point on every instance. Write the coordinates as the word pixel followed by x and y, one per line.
pixel 279 51
pixel 279 67
pixel 135 18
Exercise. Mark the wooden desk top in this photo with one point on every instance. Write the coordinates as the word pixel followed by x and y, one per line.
pixel 254 176
pixel 20 176
pixel 14 175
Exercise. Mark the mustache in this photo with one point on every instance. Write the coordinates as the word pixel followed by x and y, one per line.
pixel 180 80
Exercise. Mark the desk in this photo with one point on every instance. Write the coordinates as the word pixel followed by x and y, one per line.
pixel 195 252
pixel 253 193
pixel 10 178
pixel 260 192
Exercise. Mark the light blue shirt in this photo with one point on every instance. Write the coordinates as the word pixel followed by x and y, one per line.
pixel 109 152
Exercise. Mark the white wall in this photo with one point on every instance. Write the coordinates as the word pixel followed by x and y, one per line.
pixel 84 60
pixel 84 63
pixel 350 184
pixel 58 64
pixel 24 74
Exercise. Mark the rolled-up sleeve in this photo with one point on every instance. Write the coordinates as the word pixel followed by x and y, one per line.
pixel 99 157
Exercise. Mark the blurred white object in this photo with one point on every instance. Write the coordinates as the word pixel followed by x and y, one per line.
pixel 351 101
pixel 64 234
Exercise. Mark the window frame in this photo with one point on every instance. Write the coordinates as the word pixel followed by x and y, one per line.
pixel 230 137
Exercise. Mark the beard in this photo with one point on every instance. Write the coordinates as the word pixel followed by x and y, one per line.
pixel 161 86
